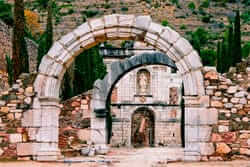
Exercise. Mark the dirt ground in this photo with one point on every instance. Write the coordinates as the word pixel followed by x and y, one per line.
pixel 179 164
pixel 145 157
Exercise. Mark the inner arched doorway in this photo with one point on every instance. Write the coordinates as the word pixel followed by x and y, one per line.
pixel 143 128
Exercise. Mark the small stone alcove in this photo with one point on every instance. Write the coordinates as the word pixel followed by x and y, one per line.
pixel 143 128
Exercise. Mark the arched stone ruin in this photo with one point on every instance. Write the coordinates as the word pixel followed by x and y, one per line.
pixel 45 111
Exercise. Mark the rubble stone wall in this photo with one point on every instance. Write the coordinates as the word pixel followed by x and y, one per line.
pixel 13 104
pixel 74 124
pixel 229 97
pixel 6 50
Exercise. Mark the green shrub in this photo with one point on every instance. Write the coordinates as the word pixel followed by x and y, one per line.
pixel 157 5
pixel 6 12
pixel 205 4
pixel 191 6
pixel 183 27
pixel 164 23
pixel 246 50
pixel 208 57
pixel 90 13
pixel 246 2
pixel 10 69
pixel 246 16
pixel 206 18
pixel 148 1
pixel 124 9
pixel 175 2
pixel 107 6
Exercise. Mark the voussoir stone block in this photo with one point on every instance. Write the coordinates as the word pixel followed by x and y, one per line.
pixel 169 35
pixel 163 46
pixel 193 60
pixel 190 87
pixel 198 82
pixel 182 66
pixel 151 38
pixel 82 30
pixel 126 20
pixel 56 50
pixel 142 22
pixel 96 24
pixel 155 28
pixel 124 33
pixel 172 53
pixel 51 68
pixel 183 47
pixel 111 20
pixel 68 39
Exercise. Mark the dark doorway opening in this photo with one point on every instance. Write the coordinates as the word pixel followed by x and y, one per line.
pixel 143 124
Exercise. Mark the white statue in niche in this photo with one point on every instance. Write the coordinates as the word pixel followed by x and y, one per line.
pixel 143 80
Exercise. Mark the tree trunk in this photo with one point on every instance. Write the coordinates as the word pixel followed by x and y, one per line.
pixel 18 38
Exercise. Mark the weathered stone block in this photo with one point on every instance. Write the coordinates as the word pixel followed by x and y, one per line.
pixel 126 20
pixel 15 138
pixel 25 149
pixel 183 47
pixel 232 89
pixel 223 128
pixel 111 20
pixel 142 22
pixel 68 39
pixel 96 24
pixel 229 137
pixel 216 103
pixel 82 30
pixel 245 151
pixel 47 134
pixel 206 148
pixel 169 35
pixel 193 60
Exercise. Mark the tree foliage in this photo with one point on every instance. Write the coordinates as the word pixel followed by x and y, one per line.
pixel 6 13
pixel 88 67
pixel 46 40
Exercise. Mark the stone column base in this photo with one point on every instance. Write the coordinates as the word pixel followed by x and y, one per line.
pixel 192 156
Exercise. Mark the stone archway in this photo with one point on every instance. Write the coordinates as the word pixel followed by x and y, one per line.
pixel 44 115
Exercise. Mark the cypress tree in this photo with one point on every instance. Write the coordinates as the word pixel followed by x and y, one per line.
pixel 218 63
pixel 46 40
pixel 230 46
pixel 237 39
pixel 20 55
pixel 223 55
pixel 88 67
pixel 67 91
